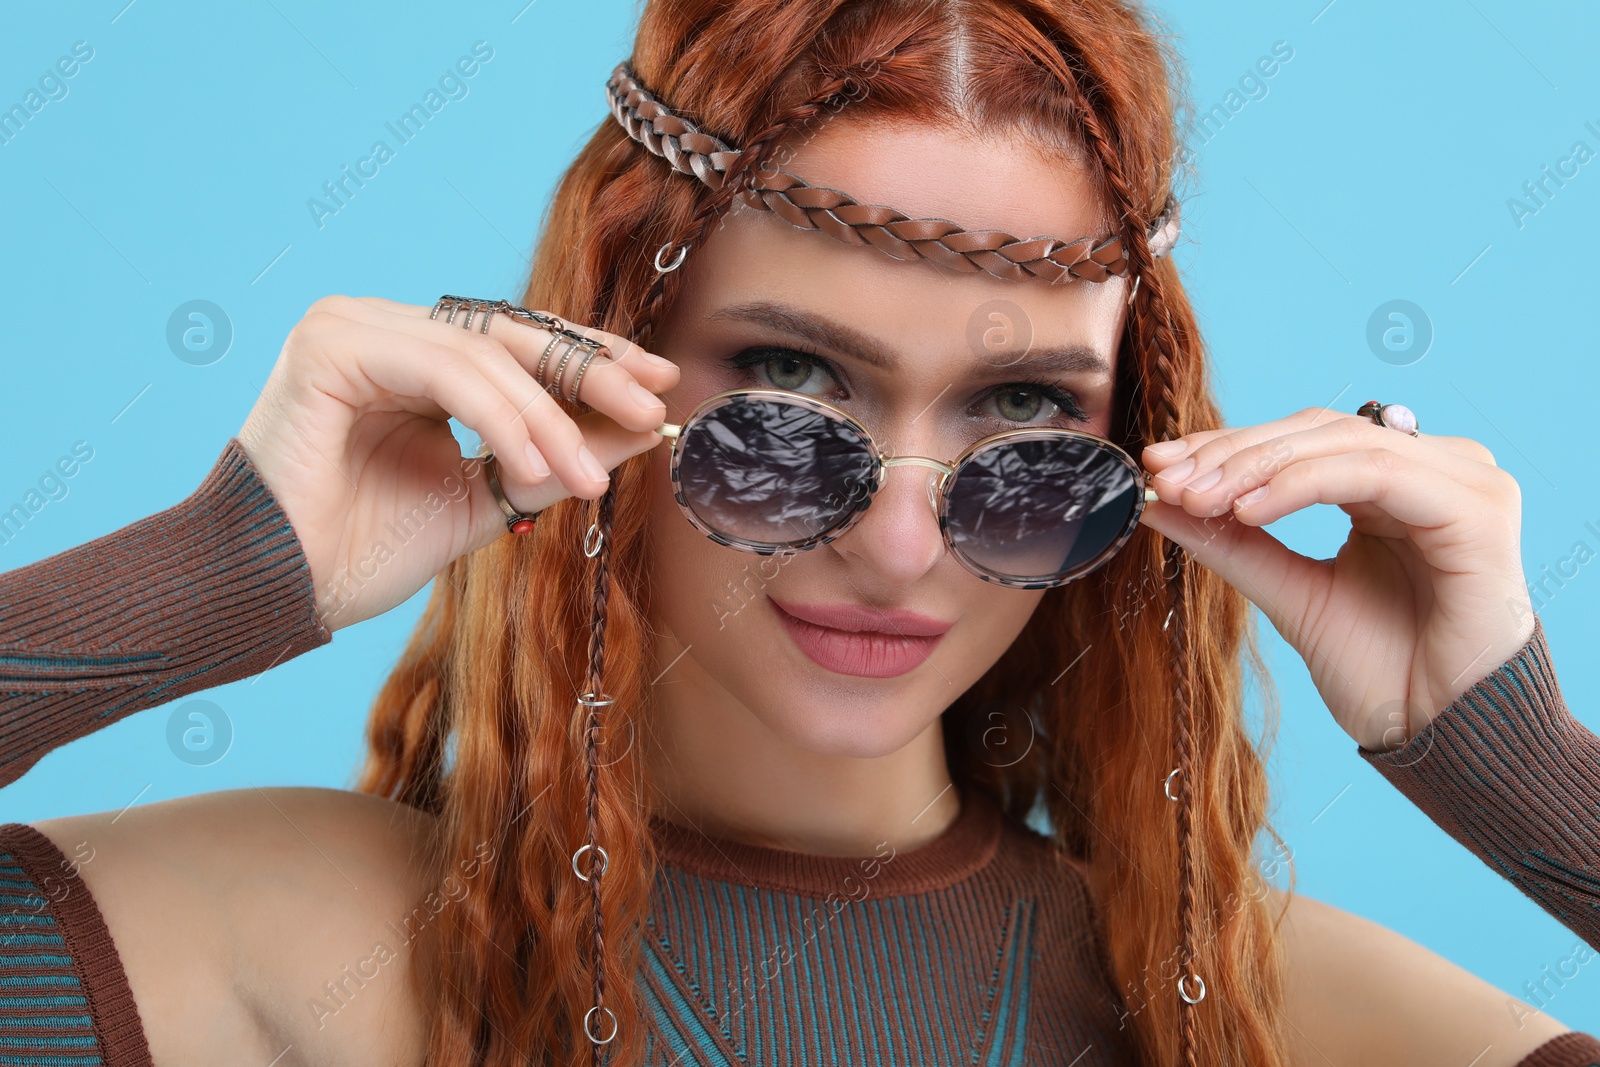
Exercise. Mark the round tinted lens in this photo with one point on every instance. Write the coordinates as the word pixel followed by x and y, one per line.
pixel 1041 509
pixel 771 473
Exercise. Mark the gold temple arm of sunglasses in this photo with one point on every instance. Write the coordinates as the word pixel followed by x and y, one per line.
pixel 669 429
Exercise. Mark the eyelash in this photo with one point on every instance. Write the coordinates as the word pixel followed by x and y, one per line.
pixel 1066 402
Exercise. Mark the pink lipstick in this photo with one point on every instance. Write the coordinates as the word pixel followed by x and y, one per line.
pixel 866 642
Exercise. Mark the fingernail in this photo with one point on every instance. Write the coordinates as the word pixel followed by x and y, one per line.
pixel 590 465
pixel 1251 497
pixel 657 361
pixel 1206 480
pixel 1168 448
pixel 1177 472
pixel 536 461
pixel 644 397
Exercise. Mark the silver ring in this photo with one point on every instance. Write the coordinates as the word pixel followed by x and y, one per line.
pixel 583 367
pixel 472 306
pixel 592 540
pixel 683 250
pixel 590 1032
pixel 555 379
pixel 605 860
pixel 1394 416
pixel 1167 785
pixel 1184 993
pixel 538 375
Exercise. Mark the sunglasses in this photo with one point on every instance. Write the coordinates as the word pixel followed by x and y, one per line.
pixel 769 471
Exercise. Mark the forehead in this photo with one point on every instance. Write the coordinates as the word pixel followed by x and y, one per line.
pixel 977 183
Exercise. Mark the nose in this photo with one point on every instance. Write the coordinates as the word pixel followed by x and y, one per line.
pixel 897 538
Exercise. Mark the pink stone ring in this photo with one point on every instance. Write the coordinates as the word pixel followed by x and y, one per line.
pixel 1395 416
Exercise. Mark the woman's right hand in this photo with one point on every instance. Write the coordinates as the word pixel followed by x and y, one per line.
pixel 351 436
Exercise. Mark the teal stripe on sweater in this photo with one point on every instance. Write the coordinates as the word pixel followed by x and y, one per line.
pixel 60 1022
pixel 15 938
pixel 64 1041
pixel 88 1060
pixel 36 960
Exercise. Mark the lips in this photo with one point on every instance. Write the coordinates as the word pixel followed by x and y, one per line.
pixel 865 642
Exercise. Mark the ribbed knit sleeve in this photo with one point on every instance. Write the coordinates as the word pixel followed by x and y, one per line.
pixel 1508 772
pixel 210 590
pixel 1572 1049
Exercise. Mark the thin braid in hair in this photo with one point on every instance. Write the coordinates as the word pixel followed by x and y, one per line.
pixel 761 149
pixel 597 648
pixel 1167 422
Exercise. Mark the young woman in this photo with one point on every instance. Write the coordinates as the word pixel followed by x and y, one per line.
pixel 636 794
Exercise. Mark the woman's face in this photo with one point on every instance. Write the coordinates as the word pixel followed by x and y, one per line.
pixel 928 360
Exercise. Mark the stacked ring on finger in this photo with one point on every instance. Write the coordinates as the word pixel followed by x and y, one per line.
pixel 575 341
pixel 542 319
pixel 472 306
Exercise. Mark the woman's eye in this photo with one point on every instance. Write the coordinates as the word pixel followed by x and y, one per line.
pixel 1019 405
pixel 783 369
pixel 1024 403
pixel 787 372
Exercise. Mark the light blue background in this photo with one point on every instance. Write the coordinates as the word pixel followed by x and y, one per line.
pixel 1377 166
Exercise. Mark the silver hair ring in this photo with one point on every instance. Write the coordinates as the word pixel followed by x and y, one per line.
pixel 1184 993
pixel 676 263
pixel 1166 786
pixel 590 700
pixel 590 1032
pixel 592 541
pixel 605 860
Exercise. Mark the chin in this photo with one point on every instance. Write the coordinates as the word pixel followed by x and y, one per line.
pixel 829 721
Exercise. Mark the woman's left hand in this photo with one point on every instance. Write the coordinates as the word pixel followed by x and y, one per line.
pixel 1425 598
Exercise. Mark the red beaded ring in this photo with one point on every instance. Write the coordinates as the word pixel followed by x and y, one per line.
pixel 516 521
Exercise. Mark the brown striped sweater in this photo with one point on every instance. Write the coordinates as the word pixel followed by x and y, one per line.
pixel 983 944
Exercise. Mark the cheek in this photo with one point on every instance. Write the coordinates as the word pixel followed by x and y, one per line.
pixel 694 579
pixel 991 620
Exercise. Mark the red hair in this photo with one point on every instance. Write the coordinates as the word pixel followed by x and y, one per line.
pixel 479 722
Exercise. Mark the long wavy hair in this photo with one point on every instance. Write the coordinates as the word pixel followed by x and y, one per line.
pixel 479 722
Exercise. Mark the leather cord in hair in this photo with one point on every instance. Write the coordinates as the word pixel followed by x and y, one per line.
pixel 597 652
pixel 1183 743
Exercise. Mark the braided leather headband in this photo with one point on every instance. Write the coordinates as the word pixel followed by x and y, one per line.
pixel 691 150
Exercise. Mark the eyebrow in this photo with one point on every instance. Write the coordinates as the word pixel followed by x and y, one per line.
pixel 1070 359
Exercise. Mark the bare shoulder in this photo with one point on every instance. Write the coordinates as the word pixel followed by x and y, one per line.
pixel 1360 993
pixel 240 917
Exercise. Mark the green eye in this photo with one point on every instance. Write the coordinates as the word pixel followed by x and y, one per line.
pixel 787 372
pixel 1019 405
pixel 784 368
